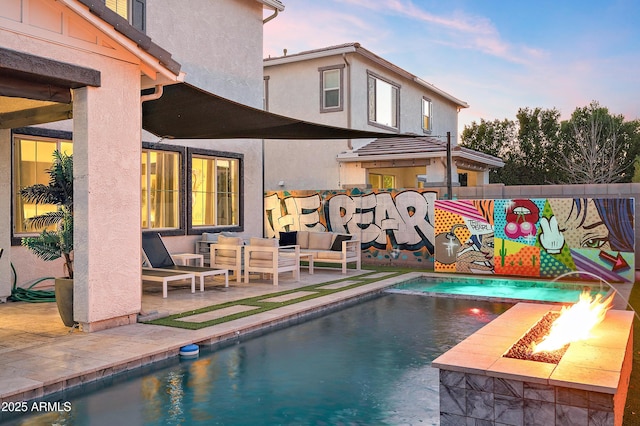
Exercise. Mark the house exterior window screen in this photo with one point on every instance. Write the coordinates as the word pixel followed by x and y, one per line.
pixel 32 158
pixel 426 115
pixel 214 191
pixel 160 181
pixel 331 89
pixel 383 102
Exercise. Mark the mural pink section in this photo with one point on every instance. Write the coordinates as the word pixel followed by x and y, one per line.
pixel 394 226
pixel 537 237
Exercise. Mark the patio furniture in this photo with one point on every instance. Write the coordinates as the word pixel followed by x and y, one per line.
pixel 326 247
pixel 158 257
pixel 263 255
pixel 184 258
pixel 227 253
pixel 163 276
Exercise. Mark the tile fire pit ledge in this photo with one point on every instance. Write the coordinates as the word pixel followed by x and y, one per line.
pixel 589 383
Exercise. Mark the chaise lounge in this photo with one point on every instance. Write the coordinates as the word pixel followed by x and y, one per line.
pixel 158 258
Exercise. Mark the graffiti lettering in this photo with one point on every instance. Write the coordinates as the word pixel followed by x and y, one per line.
pixel 376 218
pixel 298 213
pixel 479 227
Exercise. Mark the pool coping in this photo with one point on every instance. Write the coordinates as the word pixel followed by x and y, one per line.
pixel 131 347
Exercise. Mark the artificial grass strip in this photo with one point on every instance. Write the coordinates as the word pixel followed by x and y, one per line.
pixel 263 306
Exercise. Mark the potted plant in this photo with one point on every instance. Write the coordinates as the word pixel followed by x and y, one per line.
pixel 57 240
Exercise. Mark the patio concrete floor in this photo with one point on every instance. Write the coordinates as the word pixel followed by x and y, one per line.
pixel 40 356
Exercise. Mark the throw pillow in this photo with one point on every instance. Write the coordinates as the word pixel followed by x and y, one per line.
pixel 288 238
pixel 337 243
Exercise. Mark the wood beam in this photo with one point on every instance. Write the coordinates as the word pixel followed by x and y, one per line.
pixel 40 115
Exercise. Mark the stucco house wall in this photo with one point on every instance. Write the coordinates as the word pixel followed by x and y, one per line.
pixel 106 156
pixel 294 89
pixel 219 47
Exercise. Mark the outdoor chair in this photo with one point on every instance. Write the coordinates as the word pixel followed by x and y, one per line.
pixel 158 257
pixel 227 254
pixel 264 256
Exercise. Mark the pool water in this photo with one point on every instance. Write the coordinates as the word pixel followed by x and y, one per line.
pixel 368 364
pixel 500 289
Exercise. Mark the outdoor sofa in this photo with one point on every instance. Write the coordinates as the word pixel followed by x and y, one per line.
pixel 326 247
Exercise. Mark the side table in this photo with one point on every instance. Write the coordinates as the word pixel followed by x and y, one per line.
pixel 185 258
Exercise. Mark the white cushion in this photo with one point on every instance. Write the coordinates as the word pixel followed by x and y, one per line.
pixel 228 241
pixel 334 255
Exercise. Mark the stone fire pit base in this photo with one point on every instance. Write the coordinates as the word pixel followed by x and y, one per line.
pixel 587 387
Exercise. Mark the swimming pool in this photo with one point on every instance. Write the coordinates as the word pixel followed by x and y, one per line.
pixel 363 365
pixel 498 289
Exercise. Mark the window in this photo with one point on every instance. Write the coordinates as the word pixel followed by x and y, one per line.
pixel 134 11
pixel 331 88
pixel 426 115
pixel 384 101
pixel 119 7
pixel 160 189
pixel 32 157
pixel 379 181
pixel 214 191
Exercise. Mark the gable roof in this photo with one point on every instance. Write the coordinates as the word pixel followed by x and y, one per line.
pixel 414 147
pixel 358 49
pixel 122 26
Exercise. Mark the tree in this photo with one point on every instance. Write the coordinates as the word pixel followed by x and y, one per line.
pixel 594 146
pixel 597 147
pixel 497 138
pixel 538 141
pixel 51 245
pixel 526 147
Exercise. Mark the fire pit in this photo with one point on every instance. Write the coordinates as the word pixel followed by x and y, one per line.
pixel 588 384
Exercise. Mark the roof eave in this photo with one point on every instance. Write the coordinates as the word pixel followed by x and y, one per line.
pixel 357 48
pixel 354 158
pixel 267 62
pixel 152 56
pixel 274 4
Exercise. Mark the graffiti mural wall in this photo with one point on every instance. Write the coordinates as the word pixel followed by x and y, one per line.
pixel 536 237
pixel 394 226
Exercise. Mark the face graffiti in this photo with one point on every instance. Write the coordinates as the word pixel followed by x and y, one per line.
pixel 580 223
pixel 476 255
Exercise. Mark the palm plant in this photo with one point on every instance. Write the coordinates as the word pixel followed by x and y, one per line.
pixel 51 245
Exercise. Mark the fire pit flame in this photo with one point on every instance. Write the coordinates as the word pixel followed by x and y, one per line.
pixel 575 322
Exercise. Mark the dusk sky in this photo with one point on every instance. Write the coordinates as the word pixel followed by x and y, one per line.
pixel 498 56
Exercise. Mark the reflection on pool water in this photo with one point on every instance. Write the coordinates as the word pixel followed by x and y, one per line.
pixel 364 365
pixel 499 288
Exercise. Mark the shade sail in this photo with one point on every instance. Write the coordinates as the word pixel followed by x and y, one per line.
pixel 187 112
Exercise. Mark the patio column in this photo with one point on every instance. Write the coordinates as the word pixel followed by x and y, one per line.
pixel 5 214
pixel 437 173
pixel 107 149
